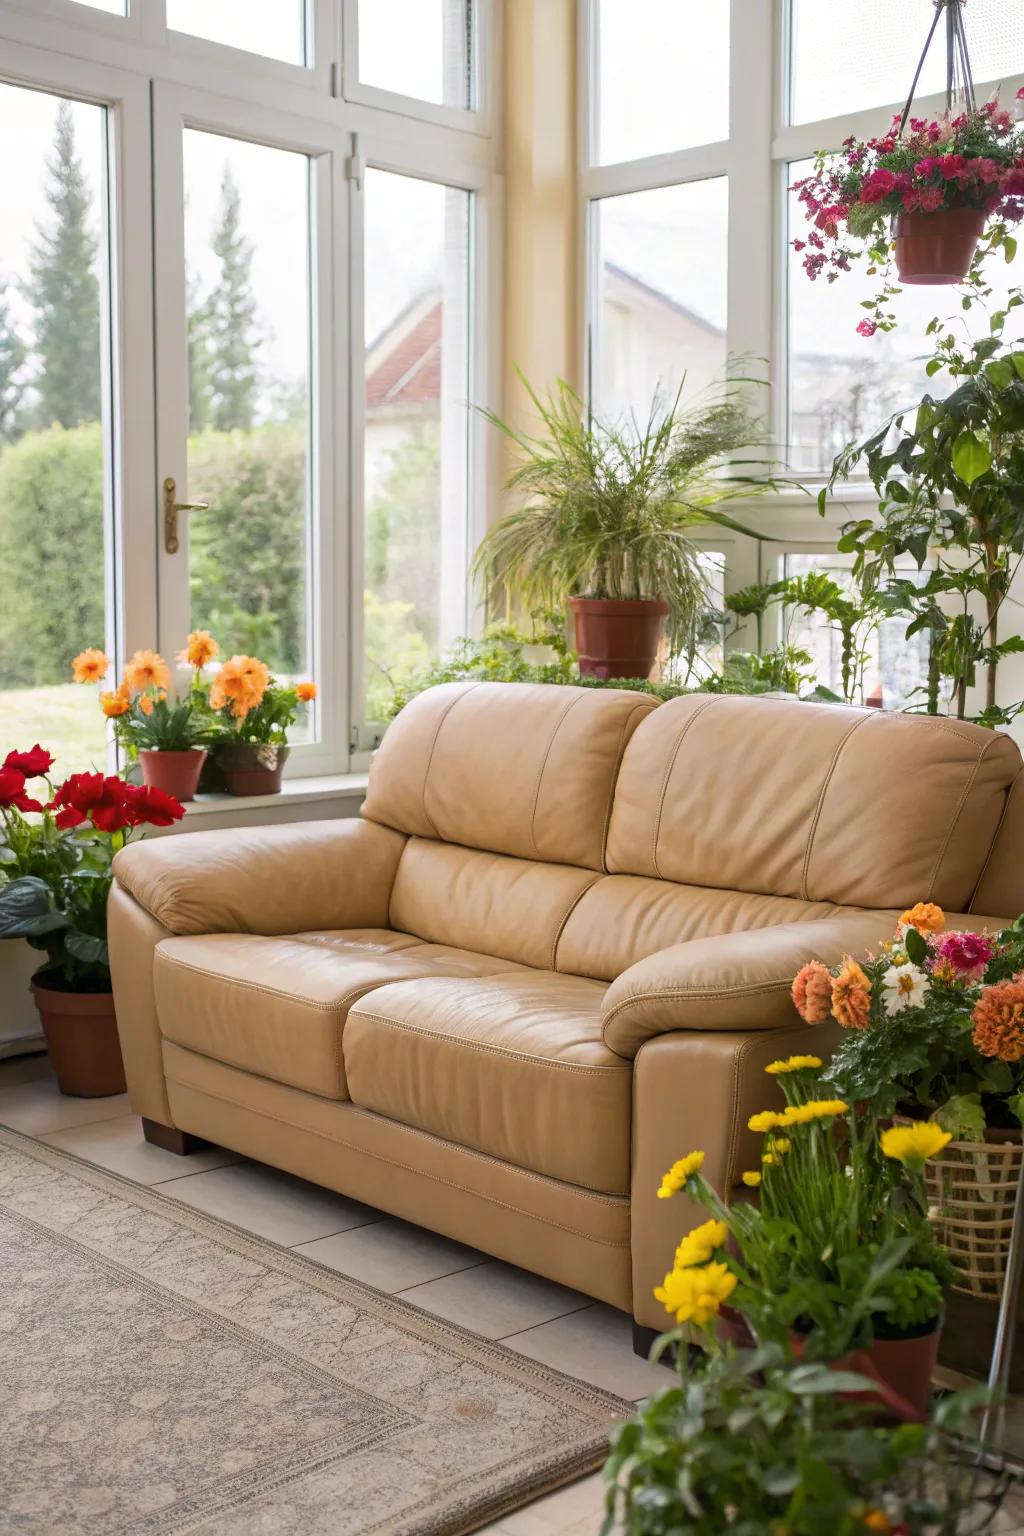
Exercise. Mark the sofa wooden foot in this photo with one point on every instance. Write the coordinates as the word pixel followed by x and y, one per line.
pixel 181 1142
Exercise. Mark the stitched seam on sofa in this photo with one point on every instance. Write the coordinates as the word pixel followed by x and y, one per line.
pixel 260 1072
pixel 668 774
pixel 392 1162
pixel 535 796
pixel 492 1050
pixel 570 909
pixel 697 994
pixel 258 986
pixel 430 758
pixel 821 802
pixel 995 840
pixel 624 735
pixel 956 817
pixel 940 722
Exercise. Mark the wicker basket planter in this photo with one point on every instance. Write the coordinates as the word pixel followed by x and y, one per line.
pixel 971 1188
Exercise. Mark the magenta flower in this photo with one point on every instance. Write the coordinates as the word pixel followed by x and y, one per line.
pixel 967 953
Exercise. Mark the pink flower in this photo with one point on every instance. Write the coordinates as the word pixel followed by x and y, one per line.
pixel 932 198
pixel 967 953
pixel 867 328
pixel 1020 94
pixel 1012 183
pixel 877 185
pixel 951 166
pixel 988 170
pixel 911 201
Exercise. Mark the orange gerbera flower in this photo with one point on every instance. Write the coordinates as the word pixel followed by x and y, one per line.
pixel 241 682
pixel 851 996
pixel 146 669
pixel 200 650
pixel 306 692
pixel 114 704
pixel 999 1021
pixel 90 666
pixel 925 916
pixel 812 992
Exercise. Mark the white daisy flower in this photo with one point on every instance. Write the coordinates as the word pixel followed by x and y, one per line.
pixel 905 987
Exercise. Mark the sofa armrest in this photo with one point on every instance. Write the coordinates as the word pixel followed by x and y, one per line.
pixel 267 880
pixel 734 981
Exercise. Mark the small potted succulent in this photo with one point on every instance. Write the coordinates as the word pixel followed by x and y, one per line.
pixel 253 712
pixel 167 735
pixel 932 189
pixel 55 876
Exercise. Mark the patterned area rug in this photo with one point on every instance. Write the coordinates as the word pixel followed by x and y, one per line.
pixel 164 1373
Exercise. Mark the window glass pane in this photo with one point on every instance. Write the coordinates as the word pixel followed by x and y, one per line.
pixel 895 668
pixel 418 48
pixel 247 252
pixel 416 436
pixel 841 384
pixel 115 7
pixel 662 293
pixel 54 447
pixel 662 76
pixel 274 28
pixel 846 58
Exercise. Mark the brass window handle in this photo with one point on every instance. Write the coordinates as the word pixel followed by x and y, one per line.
pixel 171 509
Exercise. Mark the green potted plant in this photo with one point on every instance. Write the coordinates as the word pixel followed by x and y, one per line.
pixel 253 712
pixel 608 509
pixel 55 876
pixel 167 736
pixel 947 473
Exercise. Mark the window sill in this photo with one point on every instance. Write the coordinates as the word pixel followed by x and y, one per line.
pixel 306 799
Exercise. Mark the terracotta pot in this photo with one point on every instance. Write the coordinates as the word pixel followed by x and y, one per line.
pixel 937 247
pixel 903 1369
pixel 81 1037
pixel 252 769
pixel 176 773
pixel 617 639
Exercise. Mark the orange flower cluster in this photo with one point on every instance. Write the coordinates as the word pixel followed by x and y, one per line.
pixel 200 649
pixel 925 916
pixel 147 669
pixel 851 996
pixel 117 703
pixel 306 692
pixel 999 1021
pixel 241 682
pixel 90 666
pixel 812 992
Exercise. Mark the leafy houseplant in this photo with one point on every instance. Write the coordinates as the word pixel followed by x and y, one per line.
pixel 949 489
pixel 55 876
pixel 939 185
pixel 608 510
pixel 253 712
pixel 837 1259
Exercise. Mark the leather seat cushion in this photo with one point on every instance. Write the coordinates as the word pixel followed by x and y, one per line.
pixel 277 1006
pixel 512 1066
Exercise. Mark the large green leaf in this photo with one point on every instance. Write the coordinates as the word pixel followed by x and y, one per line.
pixel 972 457
pixel 26 909
pixel 86 947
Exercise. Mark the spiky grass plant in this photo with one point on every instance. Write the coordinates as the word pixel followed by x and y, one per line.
pixel 608 508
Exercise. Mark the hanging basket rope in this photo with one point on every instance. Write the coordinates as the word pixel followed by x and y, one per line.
pixel 959 79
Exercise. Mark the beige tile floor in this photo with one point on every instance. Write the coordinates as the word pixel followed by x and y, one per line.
pixel 545 1321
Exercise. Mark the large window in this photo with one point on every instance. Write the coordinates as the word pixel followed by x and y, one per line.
pixel 415 441
pixel 55 498
pixel 275 28
pixel 418 48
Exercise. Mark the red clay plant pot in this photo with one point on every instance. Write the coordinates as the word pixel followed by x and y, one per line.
pixel 617 639
pixel 252 768
pixel 81 1037
pixel 937 247
pixel 176 773
pixel 903 1369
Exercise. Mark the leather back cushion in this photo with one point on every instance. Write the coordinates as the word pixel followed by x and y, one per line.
pixel 811 801
pixel 524 769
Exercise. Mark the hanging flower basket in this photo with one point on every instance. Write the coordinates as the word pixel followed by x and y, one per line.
pixel 971 1188
pixel 927 191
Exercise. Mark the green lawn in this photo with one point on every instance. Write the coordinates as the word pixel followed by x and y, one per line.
pixel 66 719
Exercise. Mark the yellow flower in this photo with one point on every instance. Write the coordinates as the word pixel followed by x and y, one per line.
pixel 765 1120
pixel 676 1178
pixel 306 692
pixel 201 648
pixel 698 1246
pixel 695 1295
pixel 147 669
pixel 767 1159
pixel 90 666
pixel 116 703
pixel 751 1179
pixel 925 916
pixel 781 1144
pixel 794 1064
pixel 815 1109
pixel 914 1144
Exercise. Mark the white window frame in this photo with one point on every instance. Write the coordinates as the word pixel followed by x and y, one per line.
pixel 479 117
pixel 65 46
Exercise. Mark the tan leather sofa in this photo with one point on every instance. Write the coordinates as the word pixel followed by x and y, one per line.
pixel 553 954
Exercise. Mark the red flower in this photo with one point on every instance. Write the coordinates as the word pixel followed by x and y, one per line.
pixel 867 328
pixel 12 791
pixel 149 806
pixel 91 797
pixel 952 166
pixel 925 167
pixel 932 198
pixel 1013 182
pixel 33 764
